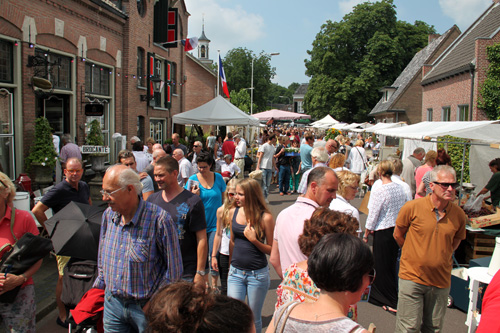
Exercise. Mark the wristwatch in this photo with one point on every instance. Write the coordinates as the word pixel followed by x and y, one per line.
pixel 202 273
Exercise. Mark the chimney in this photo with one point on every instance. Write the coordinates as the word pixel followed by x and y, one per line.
pixel 433 37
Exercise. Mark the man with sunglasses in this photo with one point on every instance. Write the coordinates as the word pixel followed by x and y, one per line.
pixel 428 230
pixel 193 156
pixel 70 189
pixel 139 251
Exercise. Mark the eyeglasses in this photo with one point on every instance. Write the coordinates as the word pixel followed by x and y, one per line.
pixel 196 146
pixel 445 186
pixel 74 171
pixel 231 194
pixel 107 194
pixel 371 275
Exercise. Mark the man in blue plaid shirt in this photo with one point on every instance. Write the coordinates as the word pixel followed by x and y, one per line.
pixel 139 251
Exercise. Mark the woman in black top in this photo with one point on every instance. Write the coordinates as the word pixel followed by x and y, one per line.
pixel 252 230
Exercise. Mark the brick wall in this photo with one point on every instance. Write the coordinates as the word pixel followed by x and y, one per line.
pixel 200 85
pixel 456 90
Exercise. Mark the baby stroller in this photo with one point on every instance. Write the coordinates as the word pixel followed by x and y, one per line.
pixel 79 276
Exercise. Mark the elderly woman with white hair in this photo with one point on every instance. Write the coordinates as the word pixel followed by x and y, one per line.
pixel 357 158
pixel 319 157
pixel 20 315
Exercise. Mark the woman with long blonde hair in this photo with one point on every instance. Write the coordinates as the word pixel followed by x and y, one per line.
pixel 220 253
pixel 252 228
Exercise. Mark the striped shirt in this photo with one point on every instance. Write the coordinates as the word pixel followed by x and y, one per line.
pixel 137 259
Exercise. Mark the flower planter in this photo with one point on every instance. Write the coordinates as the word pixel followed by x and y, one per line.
pixel 43 174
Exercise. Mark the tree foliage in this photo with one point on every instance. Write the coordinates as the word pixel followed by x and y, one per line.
pixel 490 89
pixel 241 100
pixel 238 70
pixel 352 59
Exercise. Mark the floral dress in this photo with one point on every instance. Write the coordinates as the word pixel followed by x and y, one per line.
pixel 298 286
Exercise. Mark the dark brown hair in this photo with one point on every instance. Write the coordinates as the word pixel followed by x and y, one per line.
pixel 185 307
pixel 325 221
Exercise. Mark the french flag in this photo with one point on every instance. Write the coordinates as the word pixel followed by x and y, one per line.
pixel 190 43
pixel 223 78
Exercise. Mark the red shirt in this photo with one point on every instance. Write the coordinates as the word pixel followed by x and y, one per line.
pixel 23 223
pixel 491 307
pixel 228 147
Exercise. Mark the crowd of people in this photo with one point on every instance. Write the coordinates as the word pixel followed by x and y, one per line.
pixel 179 220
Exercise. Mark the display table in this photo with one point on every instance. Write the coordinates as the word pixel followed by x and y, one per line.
pixel 476 275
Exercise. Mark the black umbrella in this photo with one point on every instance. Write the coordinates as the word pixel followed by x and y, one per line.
pixel 74 230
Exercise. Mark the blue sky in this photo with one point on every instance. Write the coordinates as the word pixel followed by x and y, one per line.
pixel 290 26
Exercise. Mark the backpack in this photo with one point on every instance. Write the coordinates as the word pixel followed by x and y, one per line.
pixel 79 276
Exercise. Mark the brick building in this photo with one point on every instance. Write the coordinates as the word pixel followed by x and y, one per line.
pixel 402 101
pixel 104 52
pixel 451 84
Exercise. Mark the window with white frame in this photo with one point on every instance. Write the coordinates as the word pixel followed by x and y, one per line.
pixel 463 113
pixel 429 114
pixel 445 113
pixel 157 129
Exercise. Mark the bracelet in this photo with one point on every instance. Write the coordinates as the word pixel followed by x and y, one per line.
pixel 25 278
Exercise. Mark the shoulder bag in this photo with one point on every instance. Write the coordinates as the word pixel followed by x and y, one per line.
pixel 25 252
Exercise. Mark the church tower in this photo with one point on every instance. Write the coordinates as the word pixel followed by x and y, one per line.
pixel 204 47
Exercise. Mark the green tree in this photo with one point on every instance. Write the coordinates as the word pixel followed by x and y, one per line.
pixel 490 89
pixel 352 59
pixel 238 70
pixel 241 100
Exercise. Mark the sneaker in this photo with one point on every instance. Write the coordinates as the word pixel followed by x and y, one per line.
pixel 281 193
pixel 62 323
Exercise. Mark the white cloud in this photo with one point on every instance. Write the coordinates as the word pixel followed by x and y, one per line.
pixel 226 27
pixel 464 12
pixel 346 6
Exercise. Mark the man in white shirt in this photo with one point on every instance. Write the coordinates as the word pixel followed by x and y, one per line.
pixel 140 158
pixel 193 156
pixel 410 164
pixel 266 163
pixel 239 154
pixel 185 167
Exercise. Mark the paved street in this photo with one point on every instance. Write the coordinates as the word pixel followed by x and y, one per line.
pixel 367 313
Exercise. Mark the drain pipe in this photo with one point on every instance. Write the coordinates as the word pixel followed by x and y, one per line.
pixel 471 102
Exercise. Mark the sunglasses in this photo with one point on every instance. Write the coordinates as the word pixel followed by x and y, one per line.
pixel 371 275
pixel 196 146
pixel 445 186
pixel 231 194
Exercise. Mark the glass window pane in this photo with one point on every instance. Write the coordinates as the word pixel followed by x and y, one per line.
pixel 7 155
pixel 6 62
pixel 5 113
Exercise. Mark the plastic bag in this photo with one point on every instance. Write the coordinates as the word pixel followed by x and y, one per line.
pixel 474 203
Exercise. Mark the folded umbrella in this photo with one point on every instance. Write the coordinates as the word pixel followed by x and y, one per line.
pixel 75 229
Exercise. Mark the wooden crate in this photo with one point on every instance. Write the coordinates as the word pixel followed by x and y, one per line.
pixel 487 220
pixel 478 245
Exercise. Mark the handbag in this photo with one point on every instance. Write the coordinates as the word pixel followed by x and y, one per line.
pixel 25 252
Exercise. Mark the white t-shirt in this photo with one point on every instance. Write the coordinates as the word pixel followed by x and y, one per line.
pixel 185 171
pixel 266 161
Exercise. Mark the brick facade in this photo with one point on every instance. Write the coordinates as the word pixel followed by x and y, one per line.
pixel 103 35
pixel 201 84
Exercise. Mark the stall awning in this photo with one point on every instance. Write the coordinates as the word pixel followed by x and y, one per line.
pixel 485 131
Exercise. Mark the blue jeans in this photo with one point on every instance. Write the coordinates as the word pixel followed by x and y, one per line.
pixel 267 174
pixel 123 315
pixel 251 284
pixel 210 239
pixel 284 178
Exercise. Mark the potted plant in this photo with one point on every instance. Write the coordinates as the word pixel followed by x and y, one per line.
pixel 43 156
pixel 96 138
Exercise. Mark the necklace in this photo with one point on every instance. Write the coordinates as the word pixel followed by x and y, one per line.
pixel 316 316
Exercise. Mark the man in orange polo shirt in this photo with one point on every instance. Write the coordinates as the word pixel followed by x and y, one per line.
pixel 428 230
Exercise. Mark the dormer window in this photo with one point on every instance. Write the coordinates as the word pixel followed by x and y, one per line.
pixel 387 93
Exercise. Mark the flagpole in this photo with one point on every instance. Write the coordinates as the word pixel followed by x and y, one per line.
pixel 218 72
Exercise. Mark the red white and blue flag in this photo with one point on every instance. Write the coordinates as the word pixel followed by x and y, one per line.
pixel 190 43
pixel 223 78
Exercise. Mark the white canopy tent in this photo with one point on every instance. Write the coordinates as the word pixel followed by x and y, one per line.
pixel 481 133
pixel 378 126
pixel 325 122
pixel 216 112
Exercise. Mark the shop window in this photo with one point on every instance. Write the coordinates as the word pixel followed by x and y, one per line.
pixel 55 68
